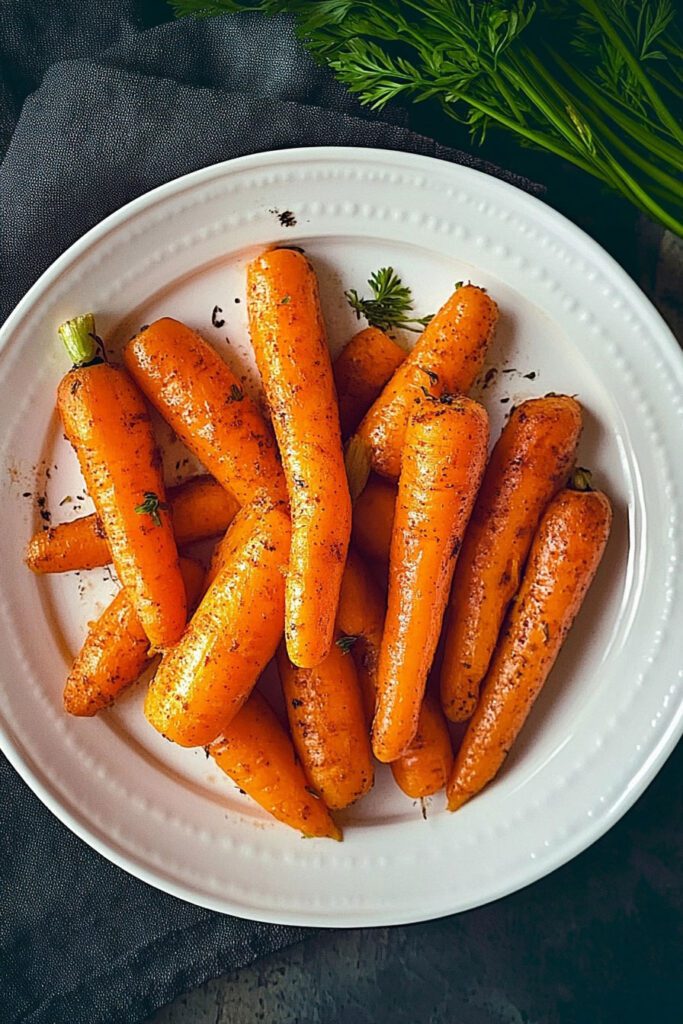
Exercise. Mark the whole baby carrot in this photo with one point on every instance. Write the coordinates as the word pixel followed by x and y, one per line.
pixel 446 359
pixel 361 370
pixel 328 726
pixel 563 560
pixel 442 466
pixel 205 679
pixel 106 421
pixel 116 650
pixel 530 462
pixel 204 402
pixel 257 754
pixel 199 508
pixel 288 335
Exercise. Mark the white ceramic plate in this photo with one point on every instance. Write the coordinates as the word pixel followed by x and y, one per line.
pixel 611 711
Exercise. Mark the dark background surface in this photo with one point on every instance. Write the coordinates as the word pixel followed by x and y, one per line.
pixel 599 940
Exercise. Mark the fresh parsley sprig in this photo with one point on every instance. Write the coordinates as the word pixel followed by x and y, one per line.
pixel 391 303
pixel 596 82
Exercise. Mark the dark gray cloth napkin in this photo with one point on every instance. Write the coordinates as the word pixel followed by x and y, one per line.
pixel 95 109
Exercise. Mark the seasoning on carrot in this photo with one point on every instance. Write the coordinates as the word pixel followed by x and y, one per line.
pixel 442 466
pixel 106 421
pixel 361 370
pixel 204 402
pixel 116 650
pixel 563 560
pixel 373 519
pixel 288 335
pixel 328 726
pixel 199 508
pixel 529 464
pixel 426 765
pixel 360 620
pixel 257 754
pixel 204 680
pixel 446 359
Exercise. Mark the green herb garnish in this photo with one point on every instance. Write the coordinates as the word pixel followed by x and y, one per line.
pixel 346 642
pixel 150 507
pixel 236 393
pixel 390 305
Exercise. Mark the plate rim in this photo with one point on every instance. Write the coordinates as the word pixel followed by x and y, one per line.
pixel 21 760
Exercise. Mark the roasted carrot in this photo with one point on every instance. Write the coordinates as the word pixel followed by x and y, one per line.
pixel 529 464
pixel 257 754
pixel 361 370
pixel 426 765
pixel 288 335
pixel 205 404
pixel 116 650
pixel 360 620
pixel 443 462
pixel 106 421
pixel 446 359
pixel 373 519
pixel 199 508
pixel 204 680
pixel 328 725
pixel 563 560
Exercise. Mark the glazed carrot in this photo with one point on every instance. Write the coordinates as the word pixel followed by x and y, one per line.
pixel 446 359
pixel 116 650
pixel 204 680
pixel 563 560
pixel 360 619
pixel 257 754
pixel 288 335
pixel 361 370
pixel 205 404
pixel 328 725
pixel 106 421
pixel 529 464
pixel 199 508
pixel 373 519
pixel 443 462
pixel 426 765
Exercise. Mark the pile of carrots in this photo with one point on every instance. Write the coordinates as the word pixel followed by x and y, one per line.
pixel 490 558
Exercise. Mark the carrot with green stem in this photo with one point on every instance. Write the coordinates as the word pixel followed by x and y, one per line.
pixel 116 650
pixel 204 402
pixel 447 358
pixel 529 464
pixel 564 557
pixel 443 463
pixel 199 508
pixel 360 371
pixel 288 335
pixel 328 725
pixel 205 679
pixel 106 420
pixel 257 754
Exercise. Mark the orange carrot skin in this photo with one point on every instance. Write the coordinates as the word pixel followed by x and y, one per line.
pixel 204 402
pixel 361 615
pixel 564 558
pixel 373 519
pixel 106 421
pixel 452 347
pixel 116 650
pixel 288 335
pixel 426 766
pixel 205 679
pixel 328 726
pixel 529 464
pixel 257 754
pixel 361 370
pixel 443 463
pixel 199 507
